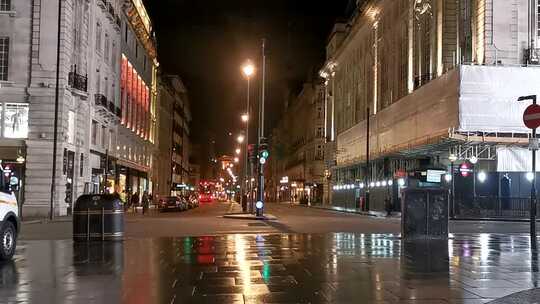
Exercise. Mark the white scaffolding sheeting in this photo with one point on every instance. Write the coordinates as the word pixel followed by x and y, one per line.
pixel 488 98
pixel 428 111
pixel 515 159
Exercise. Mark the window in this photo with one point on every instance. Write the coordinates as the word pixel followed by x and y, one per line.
pixel 113 56
pixel 81 165
pixel 126 33
pixel 71 127
pixel 104 136
pixel 136 49
pixel 144 60
pixel 5 5
pixel 98 37
pixel 94 132
pixel 16 120
pixel 111 137
pixel 320 132
pixel 107 47
pixel 4 55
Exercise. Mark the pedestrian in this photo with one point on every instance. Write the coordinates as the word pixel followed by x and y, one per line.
pixel 145 202
pixel 135 201
pixel 388 206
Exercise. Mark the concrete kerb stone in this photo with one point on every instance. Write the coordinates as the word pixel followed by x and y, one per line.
pixel 248 216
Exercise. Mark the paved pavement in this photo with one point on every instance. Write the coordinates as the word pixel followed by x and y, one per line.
pixel 305 256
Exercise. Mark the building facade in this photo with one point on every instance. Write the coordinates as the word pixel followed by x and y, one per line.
pixel 413 85
pixel 135 148
pixel 296 161
pixel 105 121
pixel 88 91
pixel 172 161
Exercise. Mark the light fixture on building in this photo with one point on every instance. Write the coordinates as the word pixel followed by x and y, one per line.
pixel 361 185
pixel 401 182
pixel 20 159
pixel 482 176
pixel 473 160
pixel 452 158
pixel 372 184
pixel 384 183
pixel 390 182
pixel 448 177
pixel 378 184
pixel 529 176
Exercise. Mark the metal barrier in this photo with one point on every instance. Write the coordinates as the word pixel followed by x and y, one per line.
pixel 493 208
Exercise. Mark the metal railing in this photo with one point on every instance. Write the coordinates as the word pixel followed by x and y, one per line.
pixel 494 208
pixel 77 81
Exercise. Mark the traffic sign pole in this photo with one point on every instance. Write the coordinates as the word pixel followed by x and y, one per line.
pixel 531 118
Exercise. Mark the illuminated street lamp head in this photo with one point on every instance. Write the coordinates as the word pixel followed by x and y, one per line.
pixel 245 117
pixel 237 151
pixel 240 139
pixel 236 159
pixel 248 69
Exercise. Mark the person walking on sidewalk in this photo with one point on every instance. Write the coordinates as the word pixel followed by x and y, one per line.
pixel 145 202
pixel 135 201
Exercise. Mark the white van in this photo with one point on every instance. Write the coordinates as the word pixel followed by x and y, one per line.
pixel 9 224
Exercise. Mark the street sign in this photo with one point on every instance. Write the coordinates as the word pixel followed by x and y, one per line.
pixel 531 116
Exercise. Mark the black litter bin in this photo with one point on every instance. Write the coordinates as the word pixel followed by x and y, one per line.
pixel 424 213
pixel 98 217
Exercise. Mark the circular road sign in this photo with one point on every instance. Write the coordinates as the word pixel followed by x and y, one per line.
pixel 531 116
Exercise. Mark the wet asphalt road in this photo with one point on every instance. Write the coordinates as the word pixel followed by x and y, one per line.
pixel 199 257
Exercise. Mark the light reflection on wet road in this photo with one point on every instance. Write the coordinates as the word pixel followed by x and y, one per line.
pixel 274 268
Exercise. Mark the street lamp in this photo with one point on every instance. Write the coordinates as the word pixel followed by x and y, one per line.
pixel 240 139
pixel 248 70
pixel 237 151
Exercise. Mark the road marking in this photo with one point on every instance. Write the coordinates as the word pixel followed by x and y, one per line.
pixel 174 283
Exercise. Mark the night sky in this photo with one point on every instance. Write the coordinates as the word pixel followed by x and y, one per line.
pixel 206 42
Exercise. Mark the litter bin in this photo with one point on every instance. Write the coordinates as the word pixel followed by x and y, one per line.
pixel 424 214
pixel 98 217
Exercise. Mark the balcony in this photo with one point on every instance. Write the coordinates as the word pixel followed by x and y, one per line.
pixel 106 109
pixel 102 4
pixel 101 100
pixel 111 14
pixel 78 82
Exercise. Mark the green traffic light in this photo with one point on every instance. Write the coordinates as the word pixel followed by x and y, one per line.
pixel 264 154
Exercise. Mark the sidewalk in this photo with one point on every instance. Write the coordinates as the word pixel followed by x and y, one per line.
pixel 347 210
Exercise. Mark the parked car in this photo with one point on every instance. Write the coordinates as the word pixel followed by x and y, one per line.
pixel 172 203
pixel 9 224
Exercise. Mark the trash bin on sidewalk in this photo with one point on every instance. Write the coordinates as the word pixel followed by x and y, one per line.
pixel 98 217
pixel 424 213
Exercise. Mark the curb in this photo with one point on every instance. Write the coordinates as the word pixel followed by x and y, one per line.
pixel 247 216
pixel 345 211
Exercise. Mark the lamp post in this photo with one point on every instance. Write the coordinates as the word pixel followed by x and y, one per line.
pixel 248 70
pixel 260 186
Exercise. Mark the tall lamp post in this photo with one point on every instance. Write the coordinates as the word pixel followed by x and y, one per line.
pixel 260 200
pixel 248 69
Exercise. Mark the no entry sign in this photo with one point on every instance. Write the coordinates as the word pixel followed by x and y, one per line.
pixel 531 116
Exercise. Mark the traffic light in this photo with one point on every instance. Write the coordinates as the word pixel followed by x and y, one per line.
pixel 263 151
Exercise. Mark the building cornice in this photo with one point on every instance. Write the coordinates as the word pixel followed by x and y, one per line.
pixel 142 27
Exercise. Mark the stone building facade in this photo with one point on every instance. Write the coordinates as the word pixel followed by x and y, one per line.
pixel 296 163
pixel 172 162
pixel 432 77
pixel 29 33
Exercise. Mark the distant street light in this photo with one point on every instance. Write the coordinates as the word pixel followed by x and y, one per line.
pixel 245 117
pixel 240 139
pixel 237 151
pixel 248 69
pixel 236 159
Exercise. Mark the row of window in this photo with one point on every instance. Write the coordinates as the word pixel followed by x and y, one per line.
pixel 5 5
pixel 135 101
pixel 103 45
pixel 4 58
pixel 101 135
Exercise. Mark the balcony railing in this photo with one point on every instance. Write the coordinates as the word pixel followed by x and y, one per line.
pixel 78 82
pixel 101 100
pixel 102 4
pixel 110 9
pixel 112 107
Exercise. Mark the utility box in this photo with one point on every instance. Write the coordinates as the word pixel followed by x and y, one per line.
pixel 424 213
